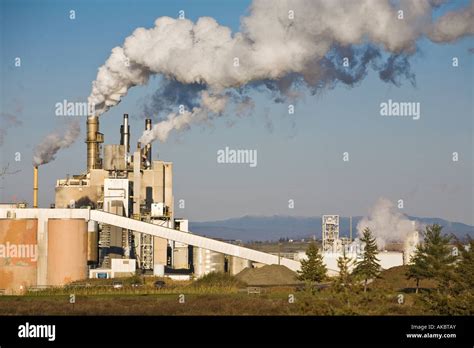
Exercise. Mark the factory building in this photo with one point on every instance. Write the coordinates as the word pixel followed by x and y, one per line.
pixel 333 247
pixel 128 184
pixel 113 220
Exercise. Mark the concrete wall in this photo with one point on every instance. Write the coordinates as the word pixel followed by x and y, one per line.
pixel 388 259
pixel 81 194
pixel 124 265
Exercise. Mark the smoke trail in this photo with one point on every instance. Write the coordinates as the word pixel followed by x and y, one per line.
pixel 387 224
pixel 7 121
pixel 211 105
pixel 453 25
pixel 46 151
pixel 282 45
pixel 170 94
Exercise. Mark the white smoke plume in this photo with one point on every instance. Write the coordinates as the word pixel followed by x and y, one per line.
pixel 453 25
pixel 7 121
pixel 387 224
pixel 46 151
pixel 210 105
pixel 280 43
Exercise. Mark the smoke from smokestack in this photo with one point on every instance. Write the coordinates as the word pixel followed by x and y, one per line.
pixel 46 151
pixel 7 121
pixel 210 105
pixel 281 46
pixel 453 25
pixel 387 224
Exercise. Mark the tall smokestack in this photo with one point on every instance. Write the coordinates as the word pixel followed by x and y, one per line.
pixel 35 187
pixel 126 133
pixel 148 146
pixel 94 138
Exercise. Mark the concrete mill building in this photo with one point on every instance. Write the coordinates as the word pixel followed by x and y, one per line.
pixel 115 219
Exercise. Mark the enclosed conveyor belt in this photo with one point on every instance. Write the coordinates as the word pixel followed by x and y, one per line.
pixel 191 239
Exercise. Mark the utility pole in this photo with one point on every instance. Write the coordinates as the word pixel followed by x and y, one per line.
pixel 279 252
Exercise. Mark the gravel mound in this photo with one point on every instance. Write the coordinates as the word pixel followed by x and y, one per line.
pixel 268 275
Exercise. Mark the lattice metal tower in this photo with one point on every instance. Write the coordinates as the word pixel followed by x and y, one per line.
pixel 330 232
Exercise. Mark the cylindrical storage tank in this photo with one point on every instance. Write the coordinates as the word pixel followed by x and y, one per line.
pixel 92 242
pixel 67 251
pixel 18 254
pixel 207 261
pixel 238 264
pixel 180 257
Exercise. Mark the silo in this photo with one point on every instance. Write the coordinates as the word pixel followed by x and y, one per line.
pixel 207 261
pixel 180 257
pixel 18 254
pixel 67 251
pixel 238 264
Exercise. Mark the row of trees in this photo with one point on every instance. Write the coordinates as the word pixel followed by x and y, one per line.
pixel 313 269
pixel 450 268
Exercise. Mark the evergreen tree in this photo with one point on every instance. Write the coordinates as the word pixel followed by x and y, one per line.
pixel 465 266
pixel 455 295
pixel 313 268
pixel 343 280
pixel 418 268
pixel 462 296
pixel 438 254
pixel 368 267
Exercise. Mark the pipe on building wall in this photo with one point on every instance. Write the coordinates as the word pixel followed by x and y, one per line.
pixel 35 187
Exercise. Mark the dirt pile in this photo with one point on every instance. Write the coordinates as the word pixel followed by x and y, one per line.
pixel 268 275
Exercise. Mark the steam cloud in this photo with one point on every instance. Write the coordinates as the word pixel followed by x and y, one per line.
pixel 387 224
pixel 46 151
pixel 282 46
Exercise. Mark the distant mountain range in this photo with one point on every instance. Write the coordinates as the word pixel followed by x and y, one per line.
pixel 271 228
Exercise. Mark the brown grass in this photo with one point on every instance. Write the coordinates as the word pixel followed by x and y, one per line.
pixel 221 295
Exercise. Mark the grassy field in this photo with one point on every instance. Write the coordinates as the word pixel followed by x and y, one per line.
pixel 270 303
pixel 219 295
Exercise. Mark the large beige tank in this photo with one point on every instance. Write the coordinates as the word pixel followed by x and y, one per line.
pixel 67 251
pixel 207 261
pixel 18 254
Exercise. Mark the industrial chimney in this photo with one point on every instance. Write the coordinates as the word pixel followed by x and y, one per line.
pixel 125 134
pixel 35 187
pixel 93 141
pixel 148 146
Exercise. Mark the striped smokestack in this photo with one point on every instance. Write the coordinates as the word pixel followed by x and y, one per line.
pixel 35 187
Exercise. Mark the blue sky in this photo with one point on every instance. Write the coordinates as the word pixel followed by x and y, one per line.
pixel 299 159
